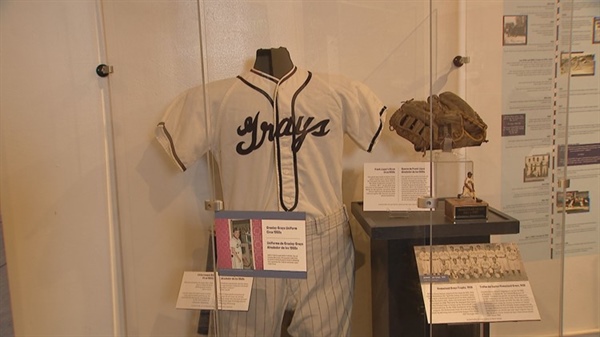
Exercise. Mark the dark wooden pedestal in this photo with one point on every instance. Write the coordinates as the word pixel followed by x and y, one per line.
pixel 397 301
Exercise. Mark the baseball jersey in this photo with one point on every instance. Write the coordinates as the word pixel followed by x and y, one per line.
pixel 278 142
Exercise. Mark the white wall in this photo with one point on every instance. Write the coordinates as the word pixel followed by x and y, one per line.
pixel 155 50
pixel 55 183
pixel 57 188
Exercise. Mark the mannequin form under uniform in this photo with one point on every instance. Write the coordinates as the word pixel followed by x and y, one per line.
pixel 274 61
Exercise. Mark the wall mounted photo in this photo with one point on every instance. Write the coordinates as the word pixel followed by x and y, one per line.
pixel 578 64
pixel 514 30
pixel 536 167
pixel 573 202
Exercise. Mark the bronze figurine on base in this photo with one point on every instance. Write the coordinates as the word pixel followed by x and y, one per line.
pixel 466 206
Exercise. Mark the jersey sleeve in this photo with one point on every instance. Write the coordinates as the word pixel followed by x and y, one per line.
pixel 187 127
pixel 364 115
pixel 182 132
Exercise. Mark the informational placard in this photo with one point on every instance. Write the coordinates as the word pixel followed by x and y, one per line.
pixel 551 126
pixel 475 283
pixel 198 291
pixel 261 244
pixel 395 186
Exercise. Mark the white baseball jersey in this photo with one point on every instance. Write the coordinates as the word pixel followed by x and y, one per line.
pixel 279 147
pixel 278 143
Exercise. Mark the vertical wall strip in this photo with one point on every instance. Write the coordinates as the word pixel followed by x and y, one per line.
pixel 114 233
pixel 554 125
pixel 462 47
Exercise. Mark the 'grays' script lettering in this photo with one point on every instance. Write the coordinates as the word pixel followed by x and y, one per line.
pixel 257 132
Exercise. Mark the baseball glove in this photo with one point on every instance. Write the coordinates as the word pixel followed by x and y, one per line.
pixel 452 124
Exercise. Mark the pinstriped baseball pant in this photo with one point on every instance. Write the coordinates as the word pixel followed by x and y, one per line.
pixel 322 302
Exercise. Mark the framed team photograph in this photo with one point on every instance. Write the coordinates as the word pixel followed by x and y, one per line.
pixel 456 278
pixel 469 263
pixel 596 30
pixel 536 167
pixel 514 30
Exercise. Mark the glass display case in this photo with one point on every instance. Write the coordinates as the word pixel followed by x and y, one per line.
pixel 201 141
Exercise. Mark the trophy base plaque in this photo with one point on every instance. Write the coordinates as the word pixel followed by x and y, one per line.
pixel 466 209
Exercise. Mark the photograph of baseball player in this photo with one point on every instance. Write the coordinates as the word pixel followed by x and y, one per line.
pixel 286 127
pixel 237 260
pixel 241 244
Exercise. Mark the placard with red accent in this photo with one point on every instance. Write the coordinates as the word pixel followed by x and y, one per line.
pixel 261 244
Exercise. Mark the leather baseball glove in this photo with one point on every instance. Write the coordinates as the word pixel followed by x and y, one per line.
pixel 451 125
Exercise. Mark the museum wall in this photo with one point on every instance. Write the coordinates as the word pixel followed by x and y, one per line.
pixel 57 202
pixel 100 225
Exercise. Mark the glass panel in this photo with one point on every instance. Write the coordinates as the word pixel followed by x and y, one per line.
pixel 510 77
pixel 537 106
pixel 155 50
pixel 55 184
pixel 576 148
pixel 370 43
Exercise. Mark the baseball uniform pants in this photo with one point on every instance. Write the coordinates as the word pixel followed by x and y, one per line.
pixel 322 302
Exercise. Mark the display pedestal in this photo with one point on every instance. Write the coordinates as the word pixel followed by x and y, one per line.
pixel 398 308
